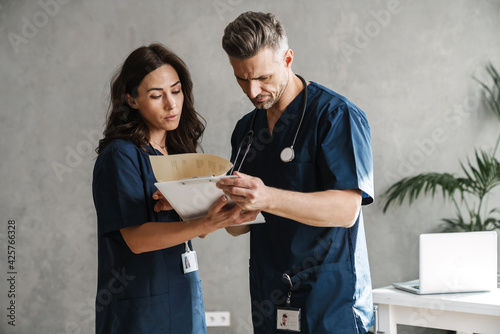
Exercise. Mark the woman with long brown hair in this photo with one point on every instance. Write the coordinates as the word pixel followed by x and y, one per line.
pixel 143 286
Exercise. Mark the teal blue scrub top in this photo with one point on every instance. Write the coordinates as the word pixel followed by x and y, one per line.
pixel 328 265
pixel 138 293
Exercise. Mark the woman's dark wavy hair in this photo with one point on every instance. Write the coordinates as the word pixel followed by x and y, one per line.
pixel 125 122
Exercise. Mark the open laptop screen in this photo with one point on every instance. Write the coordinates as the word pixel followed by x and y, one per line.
pixel 456 262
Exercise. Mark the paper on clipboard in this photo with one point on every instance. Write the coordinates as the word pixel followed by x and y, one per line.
pixel 188 182
pixel 183 166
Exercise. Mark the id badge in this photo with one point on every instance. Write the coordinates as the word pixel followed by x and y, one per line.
pixel 288 319
pixel 189 262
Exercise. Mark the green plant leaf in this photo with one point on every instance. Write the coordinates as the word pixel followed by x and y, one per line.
pixel 485 176
pixel 482 175
pixel 492 94
pixel 412 187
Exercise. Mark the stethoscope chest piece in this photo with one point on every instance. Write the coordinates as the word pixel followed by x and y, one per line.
pixel 287 154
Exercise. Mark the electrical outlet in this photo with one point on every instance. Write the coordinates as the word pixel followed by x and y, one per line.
pixel 218 319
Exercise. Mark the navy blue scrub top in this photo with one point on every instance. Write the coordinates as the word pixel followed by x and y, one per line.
pixel 138 293
pixel 328 265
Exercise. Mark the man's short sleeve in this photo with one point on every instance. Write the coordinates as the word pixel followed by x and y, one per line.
pixel 346 156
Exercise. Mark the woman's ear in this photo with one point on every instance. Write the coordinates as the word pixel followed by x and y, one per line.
pixel 131 101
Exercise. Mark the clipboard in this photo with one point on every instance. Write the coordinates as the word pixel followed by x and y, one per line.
pixel 192 196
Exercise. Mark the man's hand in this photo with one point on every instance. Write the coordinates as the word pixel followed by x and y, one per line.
pixel 248 192
pixel 322 208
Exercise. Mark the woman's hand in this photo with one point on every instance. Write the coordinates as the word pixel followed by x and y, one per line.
pixel 162 204
pixel 221 215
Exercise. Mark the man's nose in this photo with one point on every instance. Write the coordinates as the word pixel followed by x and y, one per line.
pixel 254 89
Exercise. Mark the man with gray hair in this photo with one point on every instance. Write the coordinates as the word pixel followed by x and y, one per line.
pixel 303 157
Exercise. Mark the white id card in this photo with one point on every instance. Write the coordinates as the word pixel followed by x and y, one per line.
pixel 189 262
pixel 288 319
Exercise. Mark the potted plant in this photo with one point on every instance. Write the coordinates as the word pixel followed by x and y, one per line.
pixel 468 192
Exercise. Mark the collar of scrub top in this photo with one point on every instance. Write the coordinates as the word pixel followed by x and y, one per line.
pixel 288 153
pixel 154 151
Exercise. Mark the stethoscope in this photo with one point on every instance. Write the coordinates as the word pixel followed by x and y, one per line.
pixel 288 153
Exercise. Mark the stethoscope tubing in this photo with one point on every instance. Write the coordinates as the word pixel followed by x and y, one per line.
pixel 288 153
pixel 304 105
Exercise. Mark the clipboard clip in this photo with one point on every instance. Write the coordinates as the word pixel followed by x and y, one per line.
pixel 194 178
pixel 200 179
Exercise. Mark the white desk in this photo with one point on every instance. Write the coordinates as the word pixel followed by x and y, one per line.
pixel 473 312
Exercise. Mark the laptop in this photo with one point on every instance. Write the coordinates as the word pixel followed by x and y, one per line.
pixel 455 262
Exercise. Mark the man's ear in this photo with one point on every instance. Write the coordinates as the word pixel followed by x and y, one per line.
pixel 288 58
pixel 131 101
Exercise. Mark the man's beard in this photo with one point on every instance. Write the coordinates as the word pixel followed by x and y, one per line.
pixel 265 104
pixel 271 101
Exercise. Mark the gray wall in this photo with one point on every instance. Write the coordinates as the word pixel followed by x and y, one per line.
pixel 410 71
